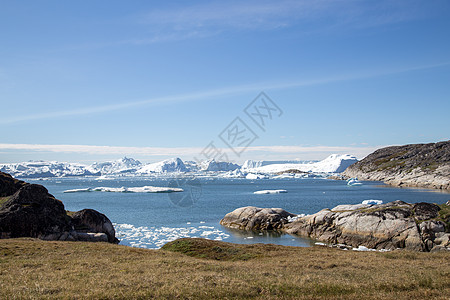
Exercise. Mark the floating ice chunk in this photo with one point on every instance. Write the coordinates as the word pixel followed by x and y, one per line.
pixel 372 201
pixel 270 192
pixel 154 238
pixel 354 182
pixel 256 176
pixel 78 190
pixel 363 248
pixel 320 244
pixel 141 189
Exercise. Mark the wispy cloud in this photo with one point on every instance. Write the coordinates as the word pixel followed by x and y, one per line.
pixel 256 152
pixel 212 94
pixel 213 18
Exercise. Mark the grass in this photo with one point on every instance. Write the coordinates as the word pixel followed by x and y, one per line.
pixel 3 200
pixel 444 216
pixel 202 269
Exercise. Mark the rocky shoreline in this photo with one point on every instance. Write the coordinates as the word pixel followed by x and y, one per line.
pixel 28 210
pixel 415 165
pixel 419 227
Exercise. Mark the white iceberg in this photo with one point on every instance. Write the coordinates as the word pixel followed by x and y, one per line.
pixel 363 249
pixel 270 192
pixel 372 202
pixel 123 165
pixel 213 165
pixel 256 176
pixel 165 166
pixel 334 163
pixel 142 189
pixel 354 182
pixel 233 174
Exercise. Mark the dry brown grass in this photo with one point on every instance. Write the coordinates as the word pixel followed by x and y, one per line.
pixel 210 270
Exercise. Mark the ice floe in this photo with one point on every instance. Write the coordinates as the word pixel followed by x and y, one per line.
pixel 156 237
pixel 372 201
pixel 270 192
pixel 353 182
pixel 256 176
pixel 142 189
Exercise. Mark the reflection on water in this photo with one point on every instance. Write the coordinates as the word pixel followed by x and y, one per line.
pixel 266 237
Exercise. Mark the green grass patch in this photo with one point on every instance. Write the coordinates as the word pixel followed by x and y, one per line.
pixel 444 216
pixel 3 200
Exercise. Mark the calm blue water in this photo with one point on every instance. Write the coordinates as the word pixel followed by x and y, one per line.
pixel 151 219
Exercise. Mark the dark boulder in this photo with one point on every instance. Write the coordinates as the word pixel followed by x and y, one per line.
pixel 89 220
pixel 33 212
pixel 9 185
pixel 30 211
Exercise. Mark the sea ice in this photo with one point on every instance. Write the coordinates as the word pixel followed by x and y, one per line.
pixel 270 192
pixel 256 176
pixel 372 201
pixel 156 237
pixel 363 248
pixel 142 189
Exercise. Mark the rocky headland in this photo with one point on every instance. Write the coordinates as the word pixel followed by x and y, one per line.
pixel 28 210
pixel 415 165
pixel 420 227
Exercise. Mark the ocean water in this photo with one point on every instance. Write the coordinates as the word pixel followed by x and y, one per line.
pixel 149 220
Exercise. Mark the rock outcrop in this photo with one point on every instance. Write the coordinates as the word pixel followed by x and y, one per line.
pixel 30 211
pixel 394 225
pixel 254 218
pixel 9 185
pixel 89 220
pixel 416 165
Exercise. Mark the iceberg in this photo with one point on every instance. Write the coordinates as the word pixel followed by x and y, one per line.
pixel 334 163
pixel 251 164
pixel 213 165
pixel 353 182
pixel 256 176
pixel 372 202
pixel 166 166
pixel 233 174
pixel 46 169
pixel 270 192
pixel 142 189
pixel 123 165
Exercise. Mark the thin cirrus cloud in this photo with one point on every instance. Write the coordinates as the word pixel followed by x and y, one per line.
pixel 213 18
pixel 182 151
pixel 211 94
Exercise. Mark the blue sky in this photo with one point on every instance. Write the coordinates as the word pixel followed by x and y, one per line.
pixel 97 80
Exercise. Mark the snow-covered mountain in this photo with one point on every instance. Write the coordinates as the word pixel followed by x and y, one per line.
pixel 123 165
pixel 165 166
pixel 34 169
pixel 334 163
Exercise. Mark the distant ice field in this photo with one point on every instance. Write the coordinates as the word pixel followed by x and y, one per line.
pixel 149 220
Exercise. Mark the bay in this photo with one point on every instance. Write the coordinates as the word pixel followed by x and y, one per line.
pixel 149 220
